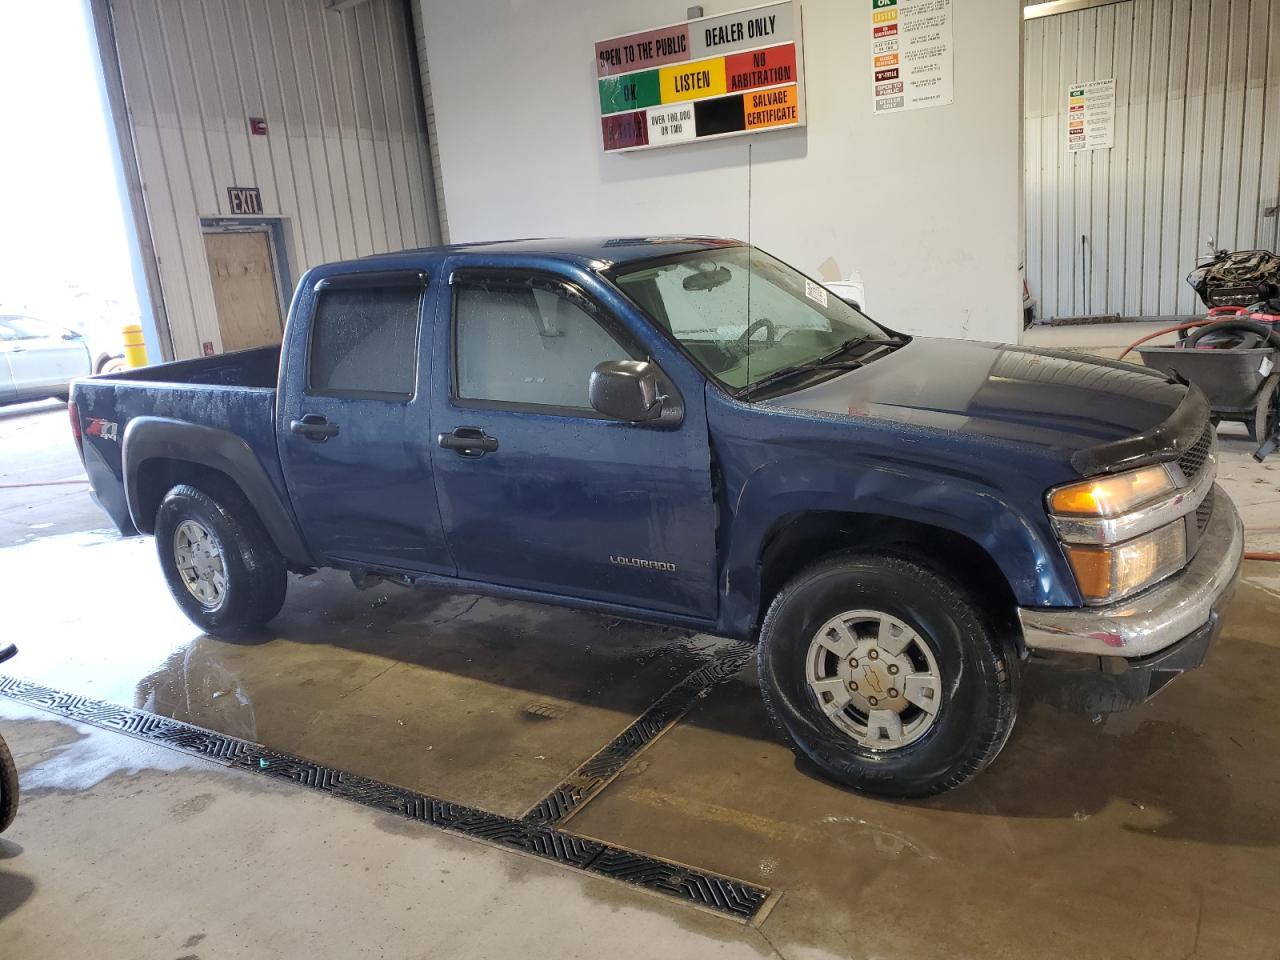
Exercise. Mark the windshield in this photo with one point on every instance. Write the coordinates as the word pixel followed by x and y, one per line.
pixel 744 325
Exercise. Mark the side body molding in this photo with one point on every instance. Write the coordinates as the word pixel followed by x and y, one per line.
pixel 149 438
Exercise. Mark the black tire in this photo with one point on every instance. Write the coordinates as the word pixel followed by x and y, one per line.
pixel 977 662
pixel 254 571
pixel 8 787
pixel 1268 410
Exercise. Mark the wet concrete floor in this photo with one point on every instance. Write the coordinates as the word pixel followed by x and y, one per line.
pixel 1154 833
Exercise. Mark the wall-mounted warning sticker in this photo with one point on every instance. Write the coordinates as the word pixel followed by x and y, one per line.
pixel 910 54
pixel 1091 115
pixel 715 76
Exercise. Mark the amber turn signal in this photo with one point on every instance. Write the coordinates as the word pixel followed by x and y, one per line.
pixel 1111 496
pixel 1105 574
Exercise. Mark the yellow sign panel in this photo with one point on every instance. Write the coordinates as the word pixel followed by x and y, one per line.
pixel 771 108
pixel 692 81
pixel 884 16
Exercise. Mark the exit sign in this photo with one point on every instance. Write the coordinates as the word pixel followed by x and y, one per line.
pixel 244 200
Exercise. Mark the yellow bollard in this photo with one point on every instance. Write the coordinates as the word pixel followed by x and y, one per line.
pixel 135 348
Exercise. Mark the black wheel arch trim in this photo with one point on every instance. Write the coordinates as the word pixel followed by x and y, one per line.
pixel 151 438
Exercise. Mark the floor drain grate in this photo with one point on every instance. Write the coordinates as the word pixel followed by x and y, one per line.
pixel 721 894
pixel 598 772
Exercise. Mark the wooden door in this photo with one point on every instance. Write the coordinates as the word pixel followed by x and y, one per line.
pixel 244 289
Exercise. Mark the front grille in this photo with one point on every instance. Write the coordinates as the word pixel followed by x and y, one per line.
pixel 1194 459
pixel 1204 512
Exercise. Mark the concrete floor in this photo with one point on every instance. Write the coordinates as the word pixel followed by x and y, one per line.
pixel 1150 834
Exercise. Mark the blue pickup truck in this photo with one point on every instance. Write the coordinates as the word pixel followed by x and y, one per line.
pixel 686 431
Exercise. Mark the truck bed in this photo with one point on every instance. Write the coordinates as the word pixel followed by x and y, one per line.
pixel 245 368
pixel 235 392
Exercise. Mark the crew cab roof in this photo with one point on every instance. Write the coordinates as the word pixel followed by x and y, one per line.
pixel 597 253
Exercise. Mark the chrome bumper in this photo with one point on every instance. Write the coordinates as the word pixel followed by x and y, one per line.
pixel 1157 618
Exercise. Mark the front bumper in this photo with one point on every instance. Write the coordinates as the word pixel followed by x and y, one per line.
pixel 1155 619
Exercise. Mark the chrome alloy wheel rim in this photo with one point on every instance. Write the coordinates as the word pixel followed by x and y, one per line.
pixel 198 556
pixel 875 678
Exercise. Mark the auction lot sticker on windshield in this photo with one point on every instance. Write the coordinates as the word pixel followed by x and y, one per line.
pixel 815 292
pixel 910 54
pixel 712 77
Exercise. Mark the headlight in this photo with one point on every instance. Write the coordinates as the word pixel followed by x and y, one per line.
pixel 1111 496
pixel 1105 574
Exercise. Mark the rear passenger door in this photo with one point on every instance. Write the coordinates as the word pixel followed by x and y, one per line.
pixel 536 489
pixel 355 429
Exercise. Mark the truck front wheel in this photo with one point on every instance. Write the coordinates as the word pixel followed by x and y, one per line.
pixel 886 675
pixel 222 568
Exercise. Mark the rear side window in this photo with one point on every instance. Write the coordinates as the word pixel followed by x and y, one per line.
pixel 364 341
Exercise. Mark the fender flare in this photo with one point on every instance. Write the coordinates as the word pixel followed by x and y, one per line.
pixel 1027 556
pixel 151 438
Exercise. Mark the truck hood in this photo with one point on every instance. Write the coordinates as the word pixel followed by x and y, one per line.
pixel 1097 414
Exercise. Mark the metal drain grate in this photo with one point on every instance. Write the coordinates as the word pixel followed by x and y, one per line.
pixel 721 894
pixel 596 774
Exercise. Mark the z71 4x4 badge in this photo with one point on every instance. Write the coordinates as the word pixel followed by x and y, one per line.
pixel 106 429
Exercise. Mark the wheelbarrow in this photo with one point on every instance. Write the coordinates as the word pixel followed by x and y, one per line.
pixel 1235 364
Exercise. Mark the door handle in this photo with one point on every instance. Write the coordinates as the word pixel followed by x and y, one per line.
pixel 468 442
pixel 314 427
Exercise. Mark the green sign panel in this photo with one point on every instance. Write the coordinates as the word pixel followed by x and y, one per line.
pixel 631 91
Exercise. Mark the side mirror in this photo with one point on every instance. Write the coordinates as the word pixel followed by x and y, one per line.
pixel 626 390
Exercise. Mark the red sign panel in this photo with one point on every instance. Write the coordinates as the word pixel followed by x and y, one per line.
pixel 622 130
pixel 760 68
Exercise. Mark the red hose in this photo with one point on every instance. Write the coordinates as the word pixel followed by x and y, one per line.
pixel 1262 556
pixel 1161 333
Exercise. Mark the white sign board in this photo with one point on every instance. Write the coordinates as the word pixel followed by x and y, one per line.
pixel 911 54
pixel 1091 115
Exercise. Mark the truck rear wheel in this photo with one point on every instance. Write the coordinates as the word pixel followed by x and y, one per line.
pixel 887 676
pixel 8 787
pixel 222 568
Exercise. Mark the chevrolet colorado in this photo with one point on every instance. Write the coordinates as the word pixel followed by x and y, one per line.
pixel 687 431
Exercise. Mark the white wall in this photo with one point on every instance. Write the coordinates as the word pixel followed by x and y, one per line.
pixel 925 204
pixel 1197 151
pixel 345 161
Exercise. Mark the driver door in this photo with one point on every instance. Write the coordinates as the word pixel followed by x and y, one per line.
pixel 552 496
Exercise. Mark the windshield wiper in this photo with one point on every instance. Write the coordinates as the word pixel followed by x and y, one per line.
pixel 807 367
pixel 859 341
pixel 827 361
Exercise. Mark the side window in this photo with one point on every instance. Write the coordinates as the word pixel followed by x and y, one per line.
pixel 364 341
pixel 25 328
pixel 527 345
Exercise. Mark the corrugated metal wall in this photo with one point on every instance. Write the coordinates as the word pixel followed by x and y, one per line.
pixel 1197 150
pixel 345 162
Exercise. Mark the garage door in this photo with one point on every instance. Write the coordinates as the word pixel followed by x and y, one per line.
pixel 1196 150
